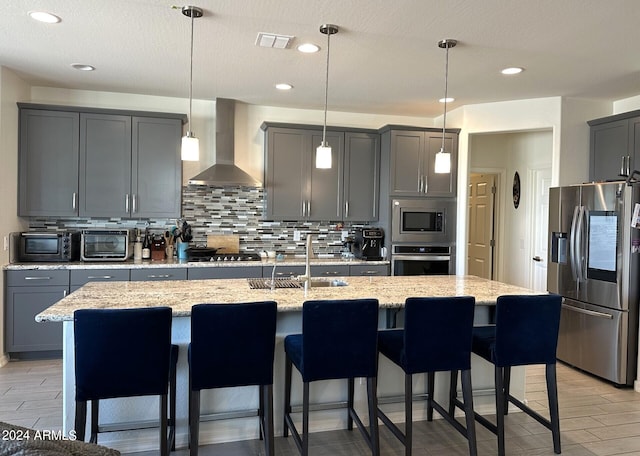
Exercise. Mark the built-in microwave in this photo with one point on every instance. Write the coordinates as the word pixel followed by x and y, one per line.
pixel 423 220
pixel 47 246
pixel 106 245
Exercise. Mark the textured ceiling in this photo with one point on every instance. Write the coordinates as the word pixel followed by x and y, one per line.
pixel 384 60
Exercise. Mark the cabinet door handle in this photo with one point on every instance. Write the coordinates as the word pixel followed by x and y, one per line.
pixel 126 202
pixel 38 278
pixel 308 208
pixel 346 209
pixel 74 198
pixel 303 208
pixel 107 277
pixel 64 293
pixel 420 184
pixel 623 167
pixel 370 273
pixel 628 165
pixel 330 273
pixel 134 209
pixel 158 276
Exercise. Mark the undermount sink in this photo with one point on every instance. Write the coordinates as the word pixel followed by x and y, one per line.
pixel 266 284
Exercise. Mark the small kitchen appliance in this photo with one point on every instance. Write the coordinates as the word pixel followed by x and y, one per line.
pixel 43 246
pixel 368 243
pixel 106 245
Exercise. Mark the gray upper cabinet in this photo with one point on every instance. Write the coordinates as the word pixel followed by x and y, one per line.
pixel 614 146
pixel 48 163
pixel 411 160
pixel 297 190
pixel 105 165
pixel 99 163
pixel 361 176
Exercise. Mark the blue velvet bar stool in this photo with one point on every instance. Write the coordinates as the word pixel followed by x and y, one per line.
pixel 526 332
pixel 232 345
pixel 338 341
pixel 125 353
pixel 436 338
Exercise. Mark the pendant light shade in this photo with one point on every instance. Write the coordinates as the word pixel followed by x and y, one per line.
pixel 323 151
pixel 443 159
pixel 190 150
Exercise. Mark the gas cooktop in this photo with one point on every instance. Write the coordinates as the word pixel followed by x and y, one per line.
pixel 204 254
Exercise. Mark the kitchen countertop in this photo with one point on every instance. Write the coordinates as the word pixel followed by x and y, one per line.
pixel 180 295
pixel 174 263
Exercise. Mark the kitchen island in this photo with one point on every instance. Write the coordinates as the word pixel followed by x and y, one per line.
pixel 180 295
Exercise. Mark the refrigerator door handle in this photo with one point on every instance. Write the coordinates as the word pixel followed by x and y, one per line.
pixel 573 253
pixel 582 273
pixel 592 313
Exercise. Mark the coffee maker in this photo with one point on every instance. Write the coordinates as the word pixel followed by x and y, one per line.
pixel 368 243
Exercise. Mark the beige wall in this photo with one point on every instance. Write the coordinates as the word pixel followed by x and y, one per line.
pixel 12 89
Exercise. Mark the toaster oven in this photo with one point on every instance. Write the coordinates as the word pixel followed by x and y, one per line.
pixel 106 245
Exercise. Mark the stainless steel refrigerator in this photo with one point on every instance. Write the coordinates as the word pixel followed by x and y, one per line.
pixel 594 264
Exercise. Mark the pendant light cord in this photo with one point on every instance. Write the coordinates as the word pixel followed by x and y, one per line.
pixel 191 71
pixel 446 84
pixel 326 92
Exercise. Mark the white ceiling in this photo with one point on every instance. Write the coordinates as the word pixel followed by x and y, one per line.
pixel 384 60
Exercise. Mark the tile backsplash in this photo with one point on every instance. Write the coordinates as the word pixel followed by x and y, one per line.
pixel 224 210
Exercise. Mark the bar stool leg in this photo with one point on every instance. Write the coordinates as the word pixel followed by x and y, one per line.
pixel 261 411
pixel 507 381
pixel 194 422
pixel 552 394
pixel 172 408
pixel 431 376
pixel 267 410
pixel 350 394
pixel 305 419
pixel 453 392
pixel 287 395
pixel 164 404
pixel 95 409
pixel 372 386
pixel 408 414
pixel 81 419
pixel 500 404
pixel 467 394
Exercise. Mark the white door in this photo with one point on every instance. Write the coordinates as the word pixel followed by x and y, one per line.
pixel 540 224
pixel 480 242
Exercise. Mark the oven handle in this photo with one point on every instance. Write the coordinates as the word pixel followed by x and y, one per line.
pixel 421 257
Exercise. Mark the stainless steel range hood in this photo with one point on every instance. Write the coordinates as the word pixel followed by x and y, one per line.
pixel 224 172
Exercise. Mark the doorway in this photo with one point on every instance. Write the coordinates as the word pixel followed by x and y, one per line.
pixel 481 218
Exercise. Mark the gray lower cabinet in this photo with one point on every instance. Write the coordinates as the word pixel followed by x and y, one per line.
pixel 340 270
pixel 48 163
pixel 27 294
pixel 79 277
pixel 369 270
pixel 236 272
pixel 158 274
pixel 409 159
pixel 282 271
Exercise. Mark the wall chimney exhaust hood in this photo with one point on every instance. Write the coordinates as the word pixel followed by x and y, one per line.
pixel 224 172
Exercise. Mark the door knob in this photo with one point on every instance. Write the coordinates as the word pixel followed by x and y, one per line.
pixel 537 258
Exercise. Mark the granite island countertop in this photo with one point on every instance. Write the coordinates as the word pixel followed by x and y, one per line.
pixel 181 295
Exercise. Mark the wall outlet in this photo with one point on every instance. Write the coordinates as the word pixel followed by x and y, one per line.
pixel 345 234
pixel 296 235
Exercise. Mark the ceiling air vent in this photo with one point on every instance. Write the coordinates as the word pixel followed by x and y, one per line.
pixel 273 40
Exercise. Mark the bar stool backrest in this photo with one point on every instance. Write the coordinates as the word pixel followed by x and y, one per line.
pixel 340 339
pixel 121 352
pixel 232 344
pixel 527 329
pixel 438 333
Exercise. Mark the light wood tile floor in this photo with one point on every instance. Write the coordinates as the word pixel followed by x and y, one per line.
pixel 595 418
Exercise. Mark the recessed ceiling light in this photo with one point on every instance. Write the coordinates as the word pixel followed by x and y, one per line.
pixel 308 48
pixel 43 16
pixel 284 86
pixel 82 67
pixel 512 70
pixel 448 100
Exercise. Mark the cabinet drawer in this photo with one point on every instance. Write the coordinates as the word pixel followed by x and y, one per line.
pixel 283 271
pixel 80 277
pixel 369 270
pixel 38 277
pixel 237 272
pixel 159 274
pixel 330 271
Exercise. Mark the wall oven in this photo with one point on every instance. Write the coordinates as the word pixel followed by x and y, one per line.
pixel 422 221
pixel 407 260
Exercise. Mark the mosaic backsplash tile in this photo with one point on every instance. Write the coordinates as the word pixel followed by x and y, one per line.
pixel 224 210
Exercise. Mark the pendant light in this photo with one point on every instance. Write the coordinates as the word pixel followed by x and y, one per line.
pixel 443 159
pixel 323 152
pixel 190 150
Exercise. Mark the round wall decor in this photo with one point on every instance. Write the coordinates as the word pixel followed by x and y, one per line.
pixel 516 190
